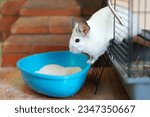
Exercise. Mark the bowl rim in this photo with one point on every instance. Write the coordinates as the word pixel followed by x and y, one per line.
pixel 52 77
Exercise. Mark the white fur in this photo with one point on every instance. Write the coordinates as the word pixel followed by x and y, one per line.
pixel 101 25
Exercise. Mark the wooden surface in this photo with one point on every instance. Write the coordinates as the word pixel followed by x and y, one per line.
pixel 13 87
pixel 141 41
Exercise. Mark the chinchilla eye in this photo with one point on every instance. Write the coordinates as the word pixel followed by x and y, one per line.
pixel 77 40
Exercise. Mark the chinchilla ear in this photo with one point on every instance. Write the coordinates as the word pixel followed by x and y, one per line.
pixel 73 21
pixel 83 27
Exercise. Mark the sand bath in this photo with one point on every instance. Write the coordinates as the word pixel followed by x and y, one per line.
pixel 58 70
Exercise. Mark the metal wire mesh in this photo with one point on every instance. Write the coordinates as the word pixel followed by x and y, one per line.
pixel 98 69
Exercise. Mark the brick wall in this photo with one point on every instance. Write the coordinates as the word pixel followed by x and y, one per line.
pixel 39 26
pixel 9 12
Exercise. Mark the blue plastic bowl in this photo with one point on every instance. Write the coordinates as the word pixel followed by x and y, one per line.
pixel 56 86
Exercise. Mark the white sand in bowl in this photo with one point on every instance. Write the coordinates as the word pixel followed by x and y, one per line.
pixel 58 70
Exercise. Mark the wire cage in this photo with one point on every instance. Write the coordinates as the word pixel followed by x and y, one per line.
pixel 131 57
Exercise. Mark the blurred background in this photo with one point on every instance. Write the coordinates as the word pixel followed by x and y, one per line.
pixel 33 26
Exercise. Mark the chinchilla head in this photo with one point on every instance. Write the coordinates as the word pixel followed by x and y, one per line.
pixel 79 37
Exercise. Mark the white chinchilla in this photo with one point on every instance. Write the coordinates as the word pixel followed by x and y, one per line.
pixel 93 36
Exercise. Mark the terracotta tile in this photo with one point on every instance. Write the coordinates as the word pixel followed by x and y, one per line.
pixel 50 7
pixel 35 43
pixel 9 60
pixel 11 7
pixel 60 25
pixel 42 25
pixel 5 35
pixel 6 22
pixel 30 25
